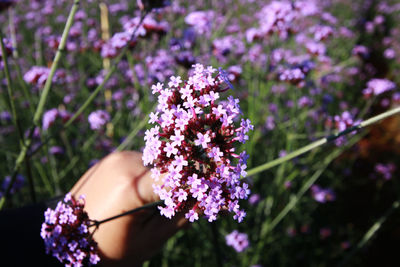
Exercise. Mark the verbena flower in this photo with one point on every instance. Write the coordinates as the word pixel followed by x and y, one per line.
pixel 239 241
pixel 192 143
pixel 344 121
pixel 378 86
pixel 7 43
pixel 97 119
pixel 201 21
pixel 65 232
pixel 133 29
pixel 50 116
pixel 385 170
pixel 322 195
pixel 38 75
pixel 16 186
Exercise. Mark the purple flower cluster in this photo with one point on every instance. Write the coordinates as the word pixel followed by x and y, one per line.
pixel 66 233
pixel 294 76
pixel 37 75
pixel 385 170
pixel 378 86
pixel 193 145
pixel 279 17
pixel 342 122
pixel 322 195
pixel 201 21
pixel 51 115
pixel 17 185
pixel 239 241
pixel 97 119
pixel 360 50
pixel 7 46
pixel 321 32
pixel 129 36
pixel 222 47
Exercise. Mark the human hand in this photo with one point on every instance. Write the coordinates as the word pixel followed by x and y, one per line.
pixel 116 184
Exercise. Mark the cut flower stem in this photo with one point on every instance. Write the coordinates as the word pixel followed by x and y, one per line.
pixel 322 141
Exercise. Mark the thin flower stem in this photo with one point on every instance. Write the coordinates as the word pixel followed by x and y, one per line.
pixel 322 141
pixel 12 32
pixel 16 121
pixel 106 78
pixel 10 90
pixel 105 36
pixel 146 206
pixel 215 234
pixel 57 57
pixel 39 110
pixel 371 232
pixel 16 57
pixel 379 117
pixel 30 179
pixel 132 134
pixel 18 163
pixel 90 98
pixel 341 65
pixel 268 227
pixel 50 136
pixel 289 156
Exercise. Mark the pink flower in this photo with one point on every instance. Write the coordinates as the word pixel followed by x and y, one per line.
pixel 202 140
pixel 239 241
pixel 97 119
pixel 193 145
pixel 65 232
pixel 378 86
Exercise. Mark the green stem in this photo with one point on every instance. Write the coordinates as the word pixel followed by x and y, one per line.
pixel 106 78
pixel 267 228
pixel 131 135
pixel 16 57
pixel 289 156
pixel 30 179
pixel 90 98
pixel 379 117
pixel 16 122
pixel 45 180
pixel 18 163
pixel 217 250
pixel 57 57
pixel 322 141
pixel 371 232
pixel 39 110
pixel 10 87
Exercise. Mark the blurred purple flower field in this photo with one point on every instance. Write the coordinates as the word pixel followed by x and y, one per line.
pixel 166 78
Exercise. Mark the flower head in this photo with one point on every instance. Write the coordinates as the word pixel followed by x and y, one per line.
pixel 239 241
pixel 378 86
pixel 344 121
pixel 192 143
pixel 322 195
pixel 66 234
pixel 98 119
pixel 16 186
pixel 37 75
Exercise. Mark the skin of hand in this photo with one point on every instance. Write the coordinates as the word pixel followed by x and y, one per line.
pixel 116 184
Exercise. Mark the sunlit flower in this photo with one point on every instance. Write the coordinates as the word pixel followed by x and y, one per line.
pixel 192 143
